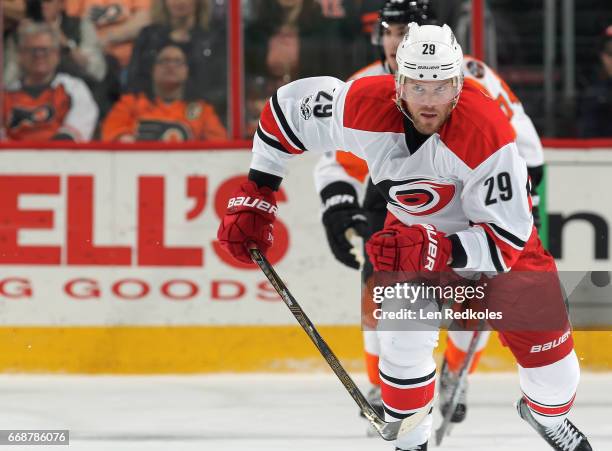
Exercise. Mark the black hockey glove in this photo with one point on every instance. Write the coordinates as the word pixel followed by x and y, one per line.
pixel 537 221
pixel 536 173
pixel 341 212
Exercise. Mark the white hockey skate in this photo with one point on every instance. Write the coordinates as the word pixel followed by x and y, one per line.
pixel 563 437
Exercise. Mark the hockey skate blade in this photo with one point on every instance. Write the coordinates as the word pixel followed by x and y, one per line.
pixel 391 431
pixel 371 432
pixel 440 433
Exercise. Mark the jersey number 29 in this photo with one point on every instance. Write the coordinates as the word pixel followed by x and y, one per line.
pixel 504 188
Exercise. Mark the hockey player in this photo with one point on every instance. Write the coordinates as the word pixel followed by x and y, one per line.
pixel 344 173
pixel 423 130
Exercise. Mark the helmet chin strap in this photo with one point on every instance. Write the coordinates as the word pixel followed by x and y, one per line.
pixel 456 101
pixel 400 106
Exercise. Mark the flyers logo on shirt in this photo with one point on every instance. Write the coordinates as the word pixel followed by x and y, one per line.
pixel 152 130
pixel 36 115
pixel 476 68
pixel 418 197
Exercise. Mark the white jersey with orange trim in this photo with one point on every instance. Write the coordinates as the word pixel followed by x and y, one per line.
pixel 377 68
pixel 527 139
pixel 468 179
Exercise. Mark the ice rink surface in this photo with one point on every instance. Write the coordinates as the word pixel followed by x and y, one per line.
pixel 262 412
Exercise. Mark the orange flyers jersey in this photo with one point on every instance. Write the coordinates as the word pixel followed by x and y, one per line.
pixel 65 106
pixel 107 16
pixel 154 120
pixel 467 179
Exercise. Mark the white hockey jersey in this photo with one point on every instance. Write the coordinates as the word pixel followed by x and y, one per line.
pixel 467 180
pixel 485 78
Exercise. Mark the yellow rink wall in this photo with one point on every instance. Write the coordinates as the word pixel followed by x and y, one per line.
pixel 145 350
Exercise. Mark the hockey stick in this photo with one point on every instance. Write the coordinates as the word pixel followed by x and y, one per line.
pixel 388 431
pixel 461 380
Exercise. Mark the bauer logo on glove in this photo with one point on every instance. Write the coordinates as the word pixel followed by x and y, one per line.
pixel 249 218
pixel 415 249
pixel 432 247
pixel 250 202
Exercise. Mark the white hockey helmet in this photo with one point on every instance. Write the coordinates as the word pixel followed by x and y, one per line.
pixel 429 53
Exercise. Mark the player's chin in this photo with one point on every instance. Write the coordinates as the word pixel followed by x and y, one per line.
pixel 428 123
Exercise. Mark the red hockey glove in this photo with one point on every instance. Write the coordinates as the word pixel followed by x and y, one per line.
pixel 249 217
pixel 418 248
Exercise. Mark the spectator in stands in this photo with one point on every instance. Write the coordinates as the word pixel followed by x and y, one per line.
pixel 186 24
pixel 290 39
pixel 81 54
pixel 164 113
pixel 117 22
pixel 344 48
pixel 13 11
pixel 45 104
pixel 258 89
pixel 278 49
pixel 595 110
pixel 285 41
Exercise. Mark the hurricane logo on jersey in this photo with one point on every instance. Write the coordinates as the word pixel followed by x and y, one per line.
pixel 420 197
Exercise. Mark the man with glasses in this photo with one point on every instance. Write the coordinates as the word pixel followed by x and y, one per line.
pixel 44 104
pixel 163 112
pixel 81 54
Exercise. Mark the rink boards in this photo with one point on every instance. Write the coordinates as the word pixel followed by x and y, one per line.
pixel 108 264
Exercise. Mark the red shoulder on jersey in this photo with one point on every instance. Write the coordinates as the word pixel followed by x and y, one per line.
pixel 477 127
pixel 370 105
